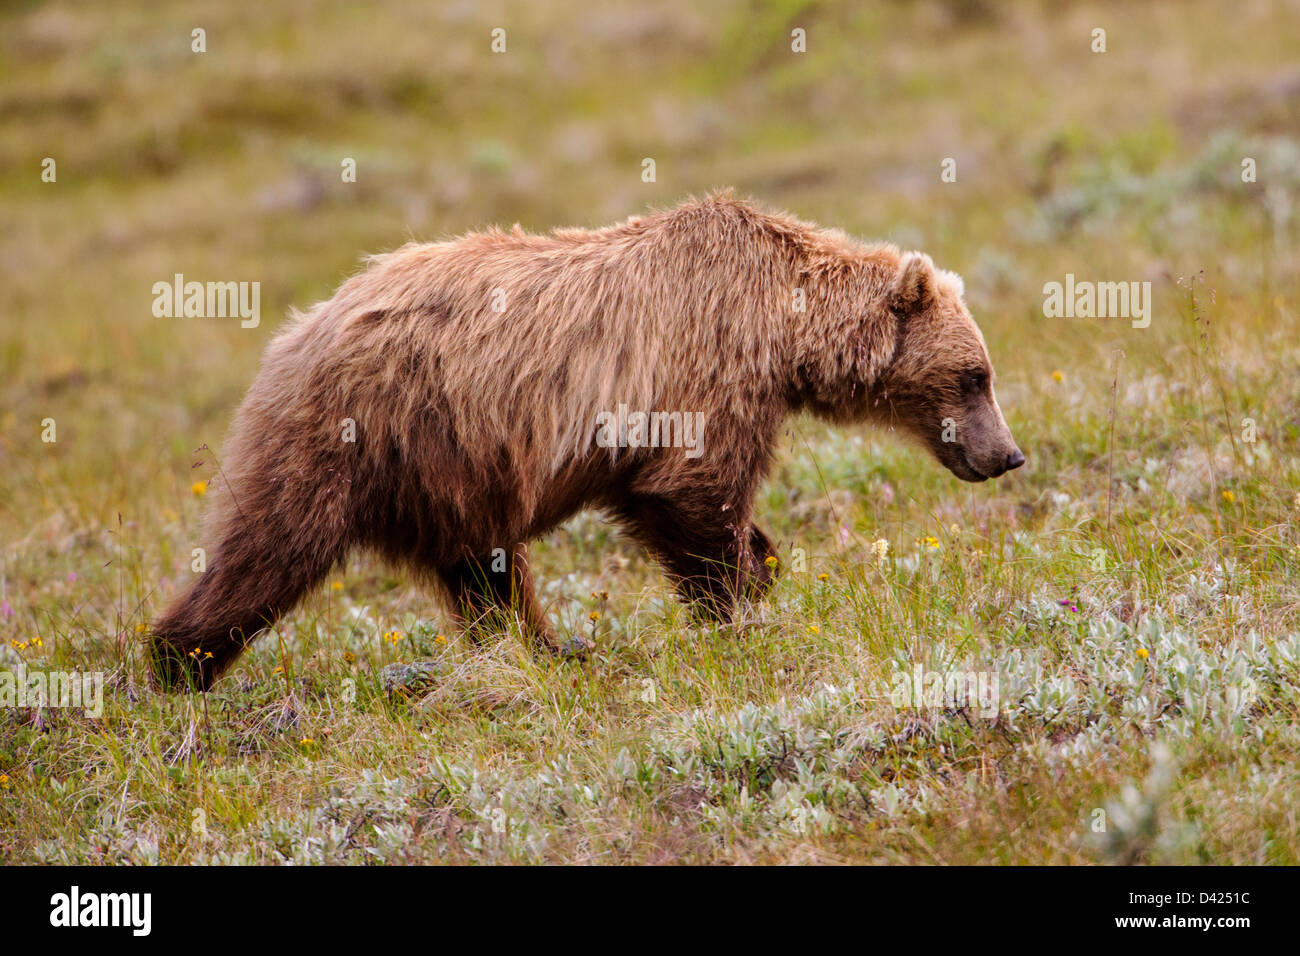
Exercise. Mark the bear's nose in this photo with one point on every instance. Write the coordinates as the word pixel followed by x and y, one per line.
pixel 1015 459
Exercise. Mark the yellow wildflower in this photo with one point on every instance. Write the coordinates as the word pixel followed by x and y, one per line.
pixel 199 488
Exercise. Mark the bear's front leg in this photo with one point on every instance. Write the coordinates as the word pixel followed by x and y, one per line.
pixel 711 553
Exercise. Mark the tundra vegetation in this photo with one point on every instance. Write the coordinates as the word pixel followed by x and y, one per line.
pixel 1129 596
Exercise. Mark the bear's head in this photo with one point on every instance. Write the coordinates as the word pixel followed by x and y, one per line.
pixel 938 384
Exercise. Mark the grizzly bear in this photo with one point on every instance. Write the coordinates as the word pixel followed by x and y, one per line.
pixel 457 399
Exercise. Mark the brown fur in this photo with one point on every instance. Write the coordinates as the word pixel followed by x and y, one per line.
pixel 475 428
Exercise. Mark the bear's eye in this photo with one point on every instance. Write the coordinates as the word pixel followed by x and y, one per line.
pixel 974 381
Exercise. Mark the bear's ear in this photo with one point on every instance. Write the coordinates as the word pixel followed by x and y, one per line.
pixel 913 288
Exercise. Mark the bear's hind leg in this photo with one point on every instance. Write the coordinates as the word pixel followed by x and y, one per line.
pixel 761 575
pixel 478 592
pixel 260 572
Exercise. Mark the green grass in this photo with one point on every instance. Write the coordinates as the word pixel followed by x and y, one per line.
pixel 1162 697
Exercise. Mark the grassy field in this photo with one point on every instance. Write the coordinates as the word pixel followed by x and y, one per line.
pixel 1130 593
